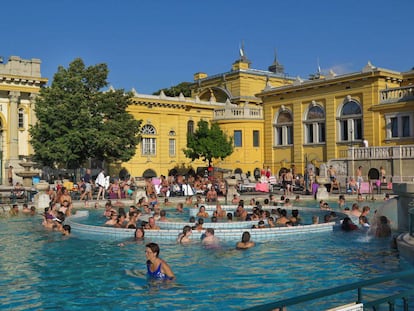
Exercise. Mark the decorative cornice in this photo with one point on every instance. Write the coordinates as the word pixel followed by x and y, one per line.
pixel 22 81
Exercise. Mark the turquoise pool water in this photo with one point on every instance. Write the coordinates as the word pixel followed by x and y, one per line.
pixel 41 270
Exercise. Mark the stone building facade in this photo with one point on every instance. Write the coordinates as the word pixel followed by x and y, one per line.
pixel 20 82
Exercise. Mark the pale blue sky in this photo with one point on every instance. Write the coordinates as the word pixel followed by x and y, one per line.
pixel 153 44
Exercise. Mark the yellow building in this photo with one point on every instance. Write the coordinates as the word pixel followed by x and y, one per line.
pixel 20 82
pixel 165 124
pixel 323 118
pixel 276 121
pixel 279 122
pixel 228 99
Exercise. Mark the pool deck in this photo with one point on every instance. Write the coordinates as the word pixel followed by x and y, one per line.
pixel 6 190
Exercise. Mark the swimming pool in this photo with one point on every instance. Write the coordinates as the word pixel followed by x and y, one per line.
pixel 42 270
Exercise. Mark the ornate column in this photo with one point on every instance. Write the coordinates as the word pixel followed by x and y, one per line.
pixel 13 127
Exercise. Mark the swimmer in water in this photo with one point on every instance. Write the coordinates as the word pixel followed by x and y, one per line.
pixel 245 242
pixel 157 268
pixel 184 237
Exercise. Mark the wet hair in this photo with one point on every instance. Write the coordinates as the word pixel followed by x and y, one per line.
pixel 154 248
pixel 383 220
pixel 214 219
pixel 366 208
pixel 60 216
pixel 186 229
pixel 139 229
pixel 200 221
pixel 192 219
pixel 67 228
pixel 295 213
pixel 210 230
pixel 229 216
pixel 245 237
pixel 163 213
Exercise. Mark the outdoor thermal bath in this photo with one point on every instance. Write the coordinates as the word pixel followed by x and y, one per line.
pixel 43 270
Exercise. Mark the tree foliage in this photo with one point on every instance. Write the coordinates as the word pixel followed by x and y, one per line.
pixel 183 87
pixel 208 143
pixel 76 120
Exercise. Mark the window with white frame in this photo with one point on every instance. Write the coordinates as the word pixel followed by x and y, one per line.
pixel 350 122
pixel 172 144
pixel 149 142
pixel 314 125
pixel 399 125
pixel 283 128
pixel 21 118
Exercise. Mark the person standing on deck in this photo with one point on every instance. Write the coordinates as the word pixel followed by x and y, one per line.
pixel 10 175
pixel 100 182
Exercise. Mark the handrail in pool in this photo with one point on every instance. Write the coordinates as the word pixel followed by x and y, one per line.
pixel 282 304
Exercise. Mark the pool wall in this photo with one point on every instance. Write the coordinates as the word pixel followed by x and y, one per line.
pixel 265 234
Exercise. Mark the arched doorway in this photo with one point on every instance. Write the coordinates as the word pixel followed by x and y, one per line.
pixel 238 171
pixel 124 174
pixel 149 173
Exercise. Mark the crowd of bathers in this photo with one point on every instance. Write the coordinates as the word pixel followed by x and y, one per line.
pixel 53 217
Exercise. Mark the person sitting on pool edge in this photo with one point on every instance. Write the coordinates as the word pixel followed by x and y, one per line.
pixel 157 268
pixel 245 242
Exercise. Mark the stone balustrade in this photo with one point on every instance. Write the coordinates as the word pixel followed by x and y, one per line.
pixel 398 94
pixel 227 113
pixel 395 152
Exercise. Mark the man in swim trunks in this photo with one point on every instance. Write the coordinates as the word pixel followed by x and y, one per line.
pixel 156 267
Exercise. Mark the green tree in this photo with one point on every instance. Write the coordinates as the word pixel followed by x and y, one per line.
pixel 208 143
pixel 76 120
pixel 183 87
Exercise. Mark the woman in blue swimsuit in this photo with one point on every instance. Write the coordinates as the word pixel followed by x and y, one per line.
pixel 156 267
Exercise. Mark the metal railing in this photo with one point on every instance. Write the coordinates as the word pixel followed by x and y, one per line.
pixel 374 304
pixel 411 221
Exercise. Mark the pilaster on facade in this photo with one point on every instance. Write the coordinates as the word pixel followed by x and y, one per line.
pixel 13 140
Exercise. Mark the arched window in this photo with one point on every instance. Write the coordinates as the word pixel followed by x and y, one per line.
pixel 283 128
pixel 21 118
pixel 314 125
pixel 149 142
pixel 350 122
pixel 190 127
